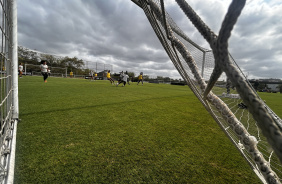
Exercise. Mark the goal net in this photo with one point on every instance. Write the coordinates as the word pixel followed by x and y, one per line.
pixel 98 67
pixel 31 69
pixel 221 86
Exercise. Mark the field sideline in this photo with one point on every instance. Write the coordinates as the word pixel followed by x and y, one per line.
pixel 77 131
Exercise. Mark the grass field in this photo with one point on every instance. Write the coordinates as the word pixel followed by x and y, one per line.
pixel 77 131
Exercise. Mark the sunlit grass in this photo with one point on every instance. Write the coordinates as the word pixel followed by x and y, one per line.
pixel 77 131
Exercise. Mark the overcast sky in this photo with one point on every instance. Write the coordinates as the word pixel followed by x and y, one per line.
pixel 117 32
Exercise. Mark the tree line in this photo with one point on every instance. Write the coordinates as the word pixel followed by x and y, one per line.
pixel 31 57
pixel 26 56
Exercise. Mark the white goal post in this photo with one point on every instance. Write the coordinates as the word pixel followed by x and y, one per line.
pixel 9 106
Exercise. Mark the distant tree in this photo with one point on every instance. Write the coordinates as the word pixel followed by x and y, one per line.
pixel 27 56
pixel 86 71
pixel 262 86
pixel 52 61
pixel 73 64
pixel 131 74
pixel 160 78
pixel 167 79
pixel 146 77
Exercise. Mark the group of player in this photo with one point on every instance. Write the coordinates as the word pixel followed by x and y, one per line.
pixel 123 78
pixel 93 76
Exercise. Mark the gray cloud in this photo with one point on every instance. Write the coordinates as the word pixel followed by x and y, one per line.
pixel 117 32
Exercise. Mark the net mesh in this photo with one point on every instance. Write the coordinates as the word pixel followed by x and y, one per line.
pixel 232 101
pixel 8 118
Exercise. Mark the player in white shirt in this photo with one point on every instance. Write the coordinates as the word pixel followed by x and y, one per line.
pixel 21 70
pixel 123 79
pixel 91 75
pixel 44 70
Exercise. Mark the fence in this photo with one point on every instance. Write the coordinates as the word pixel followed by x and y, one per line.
pixel 98 67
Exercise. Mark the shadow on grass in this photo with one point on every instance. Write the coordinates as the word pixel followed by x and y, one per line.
pixel 99 105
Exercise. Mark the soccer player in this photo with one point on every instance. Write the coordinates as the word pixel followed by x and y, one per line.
pixel 127 78
pixel 95 76
pixel 44 69
pixel 21 70
pixel 123 79
pixel 49 72
pixel 109 77
pixel 91 75
pixel 71 74
pixel 140 78
pixel 120 78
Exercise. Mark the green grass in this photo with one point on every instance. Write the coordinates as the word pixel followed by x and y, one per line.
pixel 77 131
pixel 273 100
